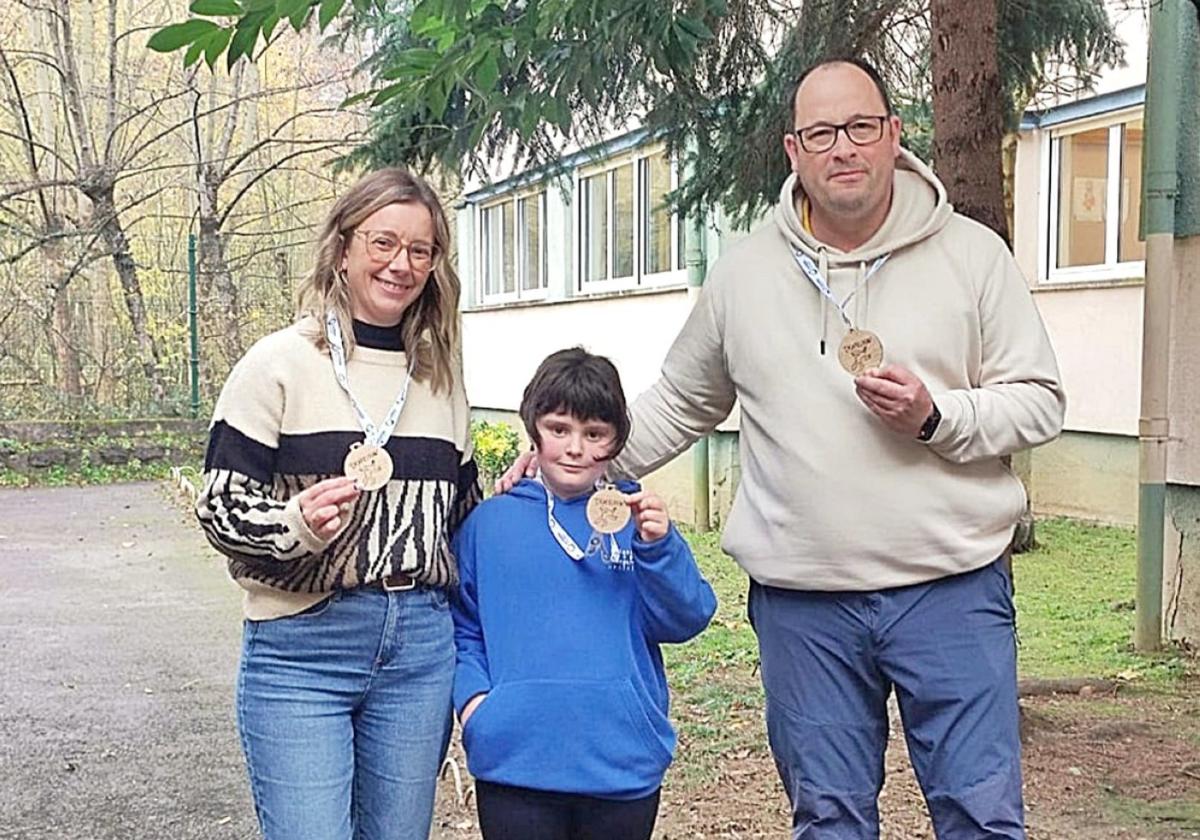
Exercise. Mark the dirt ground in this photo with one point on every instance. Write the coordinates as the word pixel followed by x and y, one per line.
pixel 119 637
pixel 1123 765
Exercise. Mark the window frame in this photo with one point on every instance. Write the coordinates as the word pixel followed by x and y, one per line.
pixel 638 159
pixel 515 199
pixel 1112 268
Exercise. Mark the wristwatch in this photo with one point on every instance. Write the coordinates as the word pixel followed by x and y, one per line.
pixel 930 425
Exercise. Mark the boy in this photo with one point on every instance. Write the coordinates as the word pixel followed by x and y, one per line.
pixel 561 610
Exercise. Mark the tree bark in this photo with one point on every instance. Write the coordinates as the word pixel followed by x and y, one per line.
pixel 218 280
pixel 66 356
pixel 968 109
pixel 106 220
pixel 968 130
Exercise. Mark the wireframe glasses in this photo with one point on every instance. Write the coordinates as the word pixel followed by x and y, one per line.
pixel 383 247
pixel 822 136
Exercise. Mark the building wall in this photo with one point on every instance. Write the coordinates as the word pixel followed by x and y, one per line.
pixel 1095 324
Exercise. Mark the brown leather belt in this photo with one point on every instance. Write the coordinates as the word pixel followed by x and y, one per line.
pixel 398 582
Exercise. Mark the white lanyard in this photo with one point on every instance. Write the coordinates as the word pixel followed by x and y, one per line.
pixel 814 276
pixel 377 435
pixel 565 540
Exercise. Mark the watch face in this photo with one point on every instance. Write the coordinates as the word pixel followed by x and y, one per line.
pixel 930 425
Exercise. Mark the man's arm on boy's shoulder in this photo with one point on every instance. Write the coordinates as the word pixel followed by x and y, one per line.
pixel 471 676
pixel 676 601
pixel 693 394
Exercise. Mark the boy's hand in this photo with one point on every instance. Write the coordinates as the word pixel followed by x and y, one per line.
pixel 650 515
pixel 470 708
pixel 526 466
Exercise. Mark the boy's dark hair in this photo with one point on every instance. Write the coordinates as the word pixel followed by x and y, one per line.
pixel 581 384
pixel 861 63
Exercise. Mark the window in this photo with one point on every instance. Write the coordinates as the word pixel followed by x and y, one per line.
pixel 512 248
pixel 1095 202
pixel 628 237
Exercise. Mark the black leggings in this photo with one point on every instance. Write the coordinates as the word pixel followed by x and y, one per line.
pixel 515 813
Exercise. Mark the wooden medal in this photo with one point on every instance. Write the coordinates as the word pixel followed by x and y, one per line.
pixel 369 465
pixel 607 510
pixel 860 351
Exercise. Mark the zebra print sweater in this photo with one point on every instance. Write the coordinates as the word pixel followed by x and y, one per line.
pixel 282 423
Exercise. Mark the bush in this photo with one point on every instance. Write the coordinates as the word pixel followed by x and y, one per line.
pixel 496 447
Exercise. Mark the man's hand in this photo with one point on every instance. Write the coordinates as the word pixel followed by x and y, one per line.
pixel 470 708
pixel 526 466
pixel 649 515
pixel 897 397
pixel 325 504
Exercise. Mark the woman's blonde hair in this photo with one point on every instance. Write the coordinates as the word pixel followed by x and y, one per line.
pixel 430 326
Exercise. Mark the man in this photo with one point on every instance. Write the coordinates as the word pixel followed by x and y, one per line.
pixel 874 510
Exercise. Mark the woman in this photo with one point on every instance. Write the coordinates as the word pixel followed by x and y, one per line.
pixel 339 465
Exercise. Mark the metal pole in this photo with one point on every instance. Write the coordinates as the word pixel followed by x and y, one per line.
pixel 193 332
pixel 696 268
pixel 1161 180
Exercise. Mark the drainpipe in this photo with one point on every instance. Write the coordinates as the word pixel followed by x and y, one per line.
pixel 696 268
pixel 1160 190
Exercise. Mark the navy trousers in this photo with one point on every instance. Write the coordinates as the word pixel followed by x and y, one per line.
pixel 948 649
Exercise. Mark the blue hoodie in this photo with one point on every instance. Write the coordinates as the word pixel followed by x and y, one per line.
pixel 567 651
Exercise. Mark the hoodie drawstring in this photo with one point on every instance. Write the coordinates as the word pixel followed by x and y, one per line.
pixel 823 256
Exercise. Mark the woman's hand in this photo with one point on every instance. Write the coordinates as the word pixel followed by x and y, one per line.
pixel 649 515
pixel 325 504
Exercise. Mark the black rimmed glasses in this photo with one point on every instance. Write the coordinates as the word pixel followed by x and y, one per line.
pixel 383 247
pixel 822 136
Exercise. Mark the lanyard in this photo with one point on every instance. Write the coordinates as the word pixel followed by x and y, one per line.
pixel 814 276
pixel 377 435
pixel 565 540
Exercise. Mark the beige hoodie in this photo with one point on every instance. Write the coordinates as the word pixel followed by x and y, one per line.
pixel 831 499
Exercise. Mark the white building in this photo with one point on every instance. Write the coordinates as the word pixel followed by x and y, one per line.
pixel 587 255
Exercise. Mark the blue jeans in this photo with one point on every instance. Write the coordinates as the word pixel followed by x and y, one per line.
pixel 344 714
pixel 948 649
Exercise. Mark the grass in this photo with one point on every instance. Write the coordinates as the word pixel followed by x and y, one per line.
pixel 1179 814
pixel 60 476
pixel 1075 606
pixel 1074 615
pixel 717 698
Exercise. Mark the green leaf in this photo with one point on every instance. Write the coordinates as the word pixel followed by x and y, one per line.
pixel 439 95
pixel 216 8
pixel 362 6
pixel 287 8
pixel 329 10
pixel 193 53
pixel 696 28
pixel 356 98
pixel 530 116
pixel 559 113
pixel 269 25
pixel 414 62
pixel 389 92
pixel 171 38
pixel 245 36
pixel 300 17
pixel 215 44
pixel 487 73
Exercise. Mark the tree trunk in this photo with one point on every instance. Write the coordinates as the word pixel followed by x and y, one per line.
pixel 104 216
pixel 968 130
pixel 66 356
pixel 212 266
pixel 968 109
